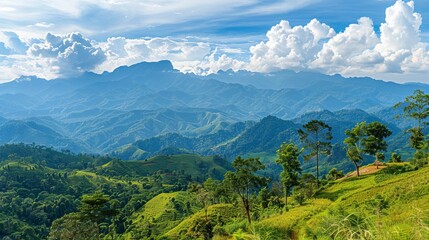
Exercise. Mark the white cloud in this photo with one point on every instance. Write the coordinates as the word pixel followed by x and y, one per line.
pixel 289 48
pixel 102 17
pixel 352 48
pixel 69 54
pixel 400 40
pixel 212 63
pixel 357 51
pixel 12 43
pixel 122 51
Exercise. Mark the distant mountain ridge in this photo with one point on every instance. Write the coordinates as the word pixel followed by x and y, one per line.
pixel 265 135
pixel 101 112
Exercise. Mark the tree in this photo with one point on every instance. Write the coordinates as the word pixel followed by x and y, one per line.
pixel 287 157
pixel 416 138
pixel 334 174
pixel 316 137
pixel 379 158
pixel 365 139
pixel 306 188
pixel 203 197
pixel 244 180
pixel 416 107
pixel 95 209
pixel 395 158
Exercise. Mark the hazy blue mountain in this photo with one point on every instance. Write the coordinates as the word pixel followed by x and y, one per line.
pixel 29 131
pixel 105 111
pixel 150 86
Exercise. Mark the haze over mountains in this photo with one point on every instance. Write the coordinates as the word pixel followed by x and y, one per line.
pixel 101 113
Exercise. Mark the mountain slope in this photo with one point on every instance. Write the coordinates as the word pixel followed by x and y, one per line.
pixel 254 137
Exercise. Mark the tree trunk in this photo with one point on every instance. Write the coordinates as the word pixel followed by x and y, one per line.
pixel 317 167
pixel 376 160
pixel 357 169
pixel 247 209
pixel 285 192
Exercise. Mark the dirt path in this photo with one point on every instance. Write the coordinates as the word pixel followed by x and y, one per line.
pixel 365 170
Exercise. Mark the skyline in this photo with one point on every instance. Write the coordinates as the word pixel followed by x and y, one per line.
pixel 352 39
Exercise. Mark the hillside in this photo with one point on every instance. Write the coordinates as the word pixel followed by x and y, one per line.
pixel 194 166
pixel 388 204
pixel 256 137
pixel 39 185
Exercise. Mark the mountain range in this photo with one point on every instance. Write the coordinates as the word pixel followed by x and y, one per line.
pixel 134 107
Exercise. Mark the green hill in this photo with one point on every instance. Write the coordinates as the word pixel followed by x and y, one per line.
pixel 198 167
pixel 392 204
pixel 384 205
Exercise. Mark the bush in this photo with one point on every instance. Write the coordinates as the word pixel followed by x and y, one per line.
pixel 397 169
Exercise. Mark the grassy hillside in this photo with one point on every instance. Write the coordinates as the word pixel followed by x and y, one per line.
pixel 383 205
pixel 162 213
pixel 198 167
pixel 391 203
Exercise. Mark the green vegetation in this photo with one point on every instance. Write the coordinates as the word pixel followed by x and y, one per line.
pixel 288 157
pixel 365 139
pixel 46 194
pixel 316 137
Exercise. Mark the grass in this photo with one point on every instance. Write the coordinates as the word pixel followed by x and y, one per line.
pixel 288 221
pixel 217 212
pixel 405 216
pixel 163 212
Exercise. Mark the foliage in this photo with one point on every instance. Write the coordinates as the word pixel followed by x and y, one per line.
pixel 288 154
pixel 396 158
pixel 416 106
pixel 306 189
pixel 316 138
pixel 72 226
pixel 334 174
pixel 244 180
pixel 365 139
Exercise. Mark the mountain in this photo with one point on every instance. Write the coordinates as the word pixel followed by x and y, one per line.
pixel 102 112
pixel 30 131
pixel 244 138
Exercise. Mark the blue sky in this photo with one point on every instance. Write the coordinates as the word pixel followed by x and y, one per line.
pixel 59 38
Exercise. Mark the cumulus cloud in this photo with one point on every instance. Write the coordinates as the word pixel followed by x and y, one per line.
pixel 213 63
pixel 122 51
pixel 289 48
pixel 400 39
pixel 357 51
pixel 69 54
pixel 10 43
pixel 349 49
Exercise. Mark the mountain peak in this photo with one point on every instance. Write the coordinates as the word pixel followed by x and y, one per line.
pixel 32 78
pixel 161 66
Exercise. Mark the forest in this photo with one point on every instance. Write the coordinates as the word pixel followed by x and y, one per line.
pixel 51 194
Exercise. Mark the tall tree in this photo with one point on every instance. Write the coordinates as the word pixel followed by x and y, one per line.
pixel 316 137
pixel 287 157
pixel 416 107
pixel 96 208
pixel 244 180
pixel 365 139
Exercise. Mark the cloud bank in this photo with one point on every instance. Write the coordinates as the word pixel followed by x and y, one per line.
pixel 358 50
